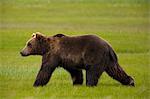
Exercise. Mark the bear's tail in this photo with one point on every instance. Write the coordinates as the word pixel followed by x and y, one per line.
pixel 116 72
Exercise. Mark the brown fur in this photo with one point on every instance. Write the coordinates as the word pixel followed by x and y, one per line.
pixel 75 53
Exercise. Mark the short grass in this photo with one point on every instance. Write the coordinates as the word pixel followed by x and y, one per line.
pixel 123 23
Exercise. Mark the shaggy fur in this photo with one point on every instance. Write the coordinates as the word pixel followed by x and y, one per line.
pixel 75 53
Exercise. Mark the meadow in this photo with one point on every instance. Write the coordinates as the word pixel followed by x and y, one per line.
pixel 123 23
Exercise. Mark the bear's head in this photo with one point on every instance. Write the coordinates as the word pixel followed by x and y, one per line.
pixel 37 45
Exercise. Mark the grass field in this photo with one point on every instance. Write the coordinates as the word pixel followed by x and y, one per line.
pixel 123 23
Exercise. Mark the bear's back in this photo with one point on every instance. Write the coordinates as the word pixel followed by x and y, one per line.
pixel 83 40
pixel 76 48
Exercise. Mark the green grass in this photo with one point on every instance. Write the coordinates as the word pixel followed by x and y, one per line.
pixel 123 23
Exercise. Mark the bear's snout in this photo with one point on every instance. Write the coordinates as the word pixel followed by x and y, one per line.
pixel 132 82
pixel 23 54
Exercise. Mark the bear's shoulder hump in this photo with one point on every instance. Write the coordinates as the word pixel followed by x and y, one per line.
pixel 59 35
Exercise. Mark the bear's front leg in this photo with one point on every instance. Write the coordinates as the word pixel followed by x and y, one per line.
pixel 47 68
pixel 43 76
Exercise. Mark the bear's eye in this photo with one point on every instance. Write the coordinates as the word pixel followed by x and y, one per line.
pixel 29 44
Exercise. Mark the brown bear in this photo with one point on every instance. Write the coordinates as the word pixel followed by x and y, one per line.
pixel 75 53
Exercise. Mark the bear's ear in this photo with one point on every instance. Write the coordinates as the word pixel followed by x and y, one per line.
pixel 33 35
pixel 38 36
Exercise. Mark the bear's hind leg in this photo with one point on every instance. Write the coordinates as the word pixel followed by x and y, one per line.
pixel 76 75
pixel 116 72
pixel 93 74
